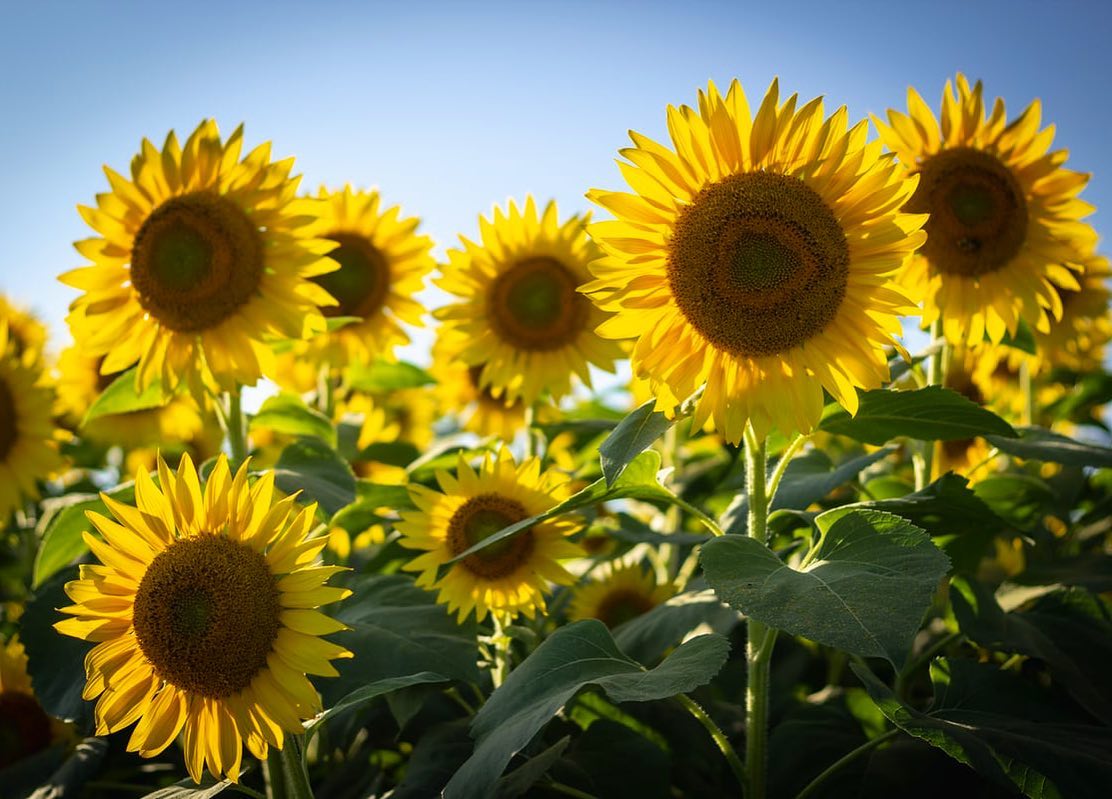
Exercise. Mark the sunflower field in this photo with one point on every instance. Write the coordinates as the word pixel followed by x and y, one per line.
pixel 786 474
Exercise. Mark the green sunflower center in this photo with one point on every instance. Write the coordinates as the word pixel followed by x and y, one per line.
pixel 196 260
pixel 534 305
pixel 361 283
pixel 978 213
pixel 206 615
pixel 24 727
pixel 758 264
pixel 621 605
pixel 477 520
pixel 9 428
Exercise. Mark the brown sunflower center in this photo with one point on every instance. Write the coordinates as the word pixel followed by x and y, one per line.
pixel 362 281
pixel 196 260
pixel 978 214
pixel 24 727
pixel 621 605
pixel 758 263
pixel 477 520
pixel 534 305
pixel 9 429
pixel 206 615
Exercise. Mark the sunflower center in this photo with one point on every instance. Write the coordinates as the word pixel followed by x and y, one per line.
pixel 196 260
pixel 477 520
pixel 978 214
pixel 361 282
pixel 534 305
pixel 758 263
pixel 206 615
pixel 24 727
pixel 621 605
pixel 9 430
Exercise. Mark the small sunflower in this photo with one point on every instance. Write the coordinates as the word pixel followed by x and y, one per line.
pixel 382 265
pixel 1078 340
pixel 623 593
pixel 460 389
pixel 26 334
pixel 506 578
pixel 1005 221
pixel 203 614
pixel 756 258
pixel 27 449
pixel 201 259
pixel 522 321
pixel 25 728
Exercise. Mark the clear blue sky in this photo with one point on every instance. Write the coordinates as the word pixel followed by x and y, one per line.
pixel 449 108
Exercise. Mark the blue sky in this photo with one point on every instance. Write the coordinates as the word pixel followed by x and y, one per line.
pixel 449 108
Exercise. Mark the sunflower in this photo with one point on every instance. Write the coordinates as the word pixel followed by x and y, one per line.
pixel 27 449
pixel 80 381
pixel 1004 228
pixel 506 578
pixel 460 389
pixel 26 334
pixel 624 592
pixel 201 258
pixel 25 728
pixel 522 322
pixel 756 258
pixel 382 265
pixel 1078 340
pixel 203 616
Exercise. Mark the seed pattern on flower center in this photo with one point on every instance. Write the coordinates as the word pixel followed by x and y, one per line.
pixel 758 263
pixel 978 214
pixel 206 615
pixel 534 305
pixel 481 517
pixel 196 260
pixel 9 430
pixel 621 605
pixel 24 727
pixel 361 283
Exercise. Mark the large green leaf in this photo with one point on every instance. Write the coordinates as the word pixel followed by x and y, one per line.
pixel 1040 444
pixel 574 657
pixel 322 476
pixel 865 591
pixel 929 414
pixel 997 725
pixel 121 397
pixel 61 525
pixel 945 507
pixel 633 435
pixel 383 376
pixel 288 414
pixel 1020 499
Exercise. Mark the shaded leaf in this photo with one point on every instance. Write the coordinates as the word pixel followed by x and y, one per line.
pixel 366 693
pixel 1040 444
pixel 522 778
pixel 928 414
pixel 647 637
pixel 313 468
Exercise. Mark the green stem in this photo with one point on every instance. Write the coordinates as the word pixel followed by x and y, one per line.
pixel 1027 385
pixel 758 652
pixel 326 391
pixel 924 657
pixel 530 442
pixel 230 413
pixel 707 521
pixel 845 760
pixel 500 666
pixel 936 364
pixel 719 737
pixel 782 466
pixel 286 774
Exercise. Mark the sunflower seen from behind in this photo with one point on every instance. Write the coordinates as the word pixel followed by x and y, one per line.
pixel 523 323
pixel 202 258
pixel 203 612
pixel 1005 234
pixel 756 256
pixel 28 451
pixel 510 576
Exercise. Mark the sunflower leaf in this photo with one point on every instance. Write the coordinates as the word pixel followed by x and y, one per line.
pixel 60 527
pixel 633 435
pixel 288 414
pixel 313 468
pixel 385 376
pixel 121 397
pixel 364 694
pixel 574 657
pixel 1040 444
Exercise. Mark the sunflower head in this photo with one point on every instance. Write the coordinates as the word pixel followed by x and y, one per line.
pixel 521 319
pixel 462 392
pixel 26 334
pixel 623 593
pixel 25 728
pixel 203 612
pixel 756 257
pixel 1005 221
pixel 201 259
pixel 510 576
pixel 1078 340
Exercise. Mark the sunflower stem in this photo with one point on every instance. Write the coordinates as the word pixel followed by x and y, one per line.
pixel 761 639
pixel 845 760
pixel 230 413
pixel 530 441
pixel 326 390
pixel 1026 383
pixel 719 737
pixel 924 464
pixel 782 465
pixel 286 774
pixel 500 660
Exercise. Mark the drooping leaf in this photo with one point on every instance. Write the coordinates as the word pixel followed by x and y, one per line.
pixel 865 591
pixel 572 658
pixel 366 693
pixel 121 397
pixel 991 721
pixel 633 435
pixel 928 414
pixel 288 414
pixel 383 376
pixel 1040 444
pixel 322 476
pixel 61 525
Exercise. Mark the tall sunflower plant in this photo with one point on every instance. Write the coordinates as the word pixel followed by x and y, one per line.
pixel 792 549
